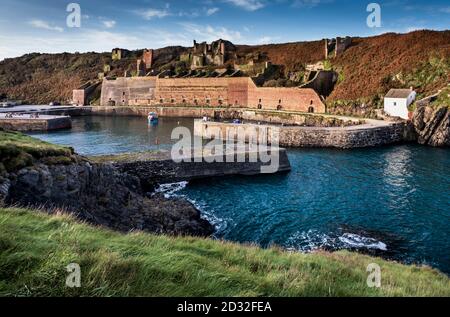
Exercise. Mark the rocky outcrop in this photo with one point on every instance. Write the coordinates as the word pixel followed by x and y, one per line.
pixel 432 126
pixel 102 195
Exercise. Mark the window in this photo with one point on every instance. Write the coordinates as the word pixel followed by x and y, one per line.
pixel 395 103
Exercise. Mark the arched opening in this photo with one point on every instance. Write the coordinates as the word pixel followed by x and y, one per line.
pixel 279 107
pixel 311 109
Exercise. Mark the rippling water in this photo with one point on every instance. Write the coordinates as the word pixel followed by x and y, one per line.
pixel 390 201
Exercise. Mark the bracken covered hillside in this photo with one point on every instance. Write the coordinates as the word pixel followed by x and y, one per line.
pixel 373 65
pixel 43 78
pixel 367 69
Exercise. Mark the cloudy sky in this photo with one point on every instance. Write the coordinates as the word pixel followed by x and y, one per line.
pixel 40 26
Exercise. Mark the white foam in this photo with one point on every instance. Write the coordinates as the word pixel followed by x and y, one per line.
pixel 170 190
pixel 357 241
pixel 311 240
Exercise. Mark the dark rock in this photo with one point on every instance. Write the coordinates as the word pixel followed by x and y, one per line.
pixel 432 126
pixel 102 195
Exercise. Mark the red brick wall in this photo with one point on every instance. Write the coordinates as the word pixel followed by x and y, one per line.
pixel 291 99
pixel 222 92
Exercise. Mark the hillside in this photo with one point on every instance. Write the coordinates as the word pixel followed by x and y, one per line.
pixel 367 69
pixel 139 264
pixel 43 78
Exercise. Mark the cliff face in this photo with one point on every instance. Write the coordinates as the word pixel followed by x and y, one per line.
pixel 101 195
pixel 432 125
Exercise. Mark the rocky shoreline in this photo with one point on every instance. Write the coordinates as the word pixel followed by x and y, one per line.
pixel 102 195
pixel 432 126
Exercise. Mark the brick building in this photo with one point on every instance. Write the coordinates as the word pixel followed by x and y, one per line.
pixel 207 92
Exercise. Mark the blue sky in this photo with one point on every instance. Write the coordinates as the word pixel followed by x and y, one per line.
pixel 40 26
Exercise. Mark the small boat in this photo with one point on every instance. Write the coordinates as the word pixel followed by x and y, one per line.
pixel 153 118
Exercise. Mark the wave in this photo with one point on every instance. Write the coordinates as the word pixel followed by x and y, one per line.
pixel 311 240
pixel 170 190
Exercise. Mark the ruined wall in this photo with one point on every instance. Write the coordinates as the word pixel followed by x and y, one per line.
pixel 323 82
pixel 147 57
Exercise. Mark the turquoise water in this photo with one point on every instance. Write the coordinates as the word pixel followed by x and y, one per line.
pixel 389 201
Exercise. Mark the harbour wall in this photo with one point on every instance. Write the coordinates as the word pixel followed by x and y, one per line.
pixel 367 135
pixel 36 124
pixel 161 169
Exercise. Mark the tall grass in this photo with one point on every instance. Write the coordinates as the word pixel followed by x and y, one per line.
pixel 35 249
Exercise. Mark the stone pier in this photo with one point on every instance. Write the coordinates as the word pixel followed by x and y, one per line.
pixel 25 122
pixel 158 167
pixel 371 133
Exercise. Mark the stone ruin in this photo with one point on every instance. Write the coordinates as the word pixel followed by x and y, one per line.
pixel 145 63
pixel 336 46
pixel 215 54
pixel 118 53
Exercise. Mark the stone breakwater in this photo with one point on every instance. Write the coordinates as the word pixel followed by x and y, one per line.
pixel 43 123
pixel 157 168
pixel 372 133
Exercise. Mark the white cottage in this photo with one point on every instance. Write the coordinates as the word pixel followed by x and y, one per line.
pixel 397 101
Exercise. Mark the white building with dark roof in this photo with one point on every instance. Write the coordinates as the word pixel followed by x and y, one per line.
pixel 397 101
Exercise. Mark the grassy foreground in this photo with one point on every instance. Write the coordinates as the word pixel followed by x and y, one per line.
pixel 36 248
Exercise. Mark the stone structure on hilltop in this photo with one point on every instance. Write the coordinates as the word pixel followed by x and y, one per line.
pixel 145 63
pixel 147 58
pixel 215 54
pixel 336 46
pixel 118 53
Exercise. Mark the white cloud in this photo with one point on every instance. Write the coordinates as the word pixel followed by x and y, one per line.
pixel 309 3
pixel 40 24
pixel 445 10
pixel 249 5
pixel 212 11
pixel 209 33
pixel 109 23
pixel 265 40
pixel 154 13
